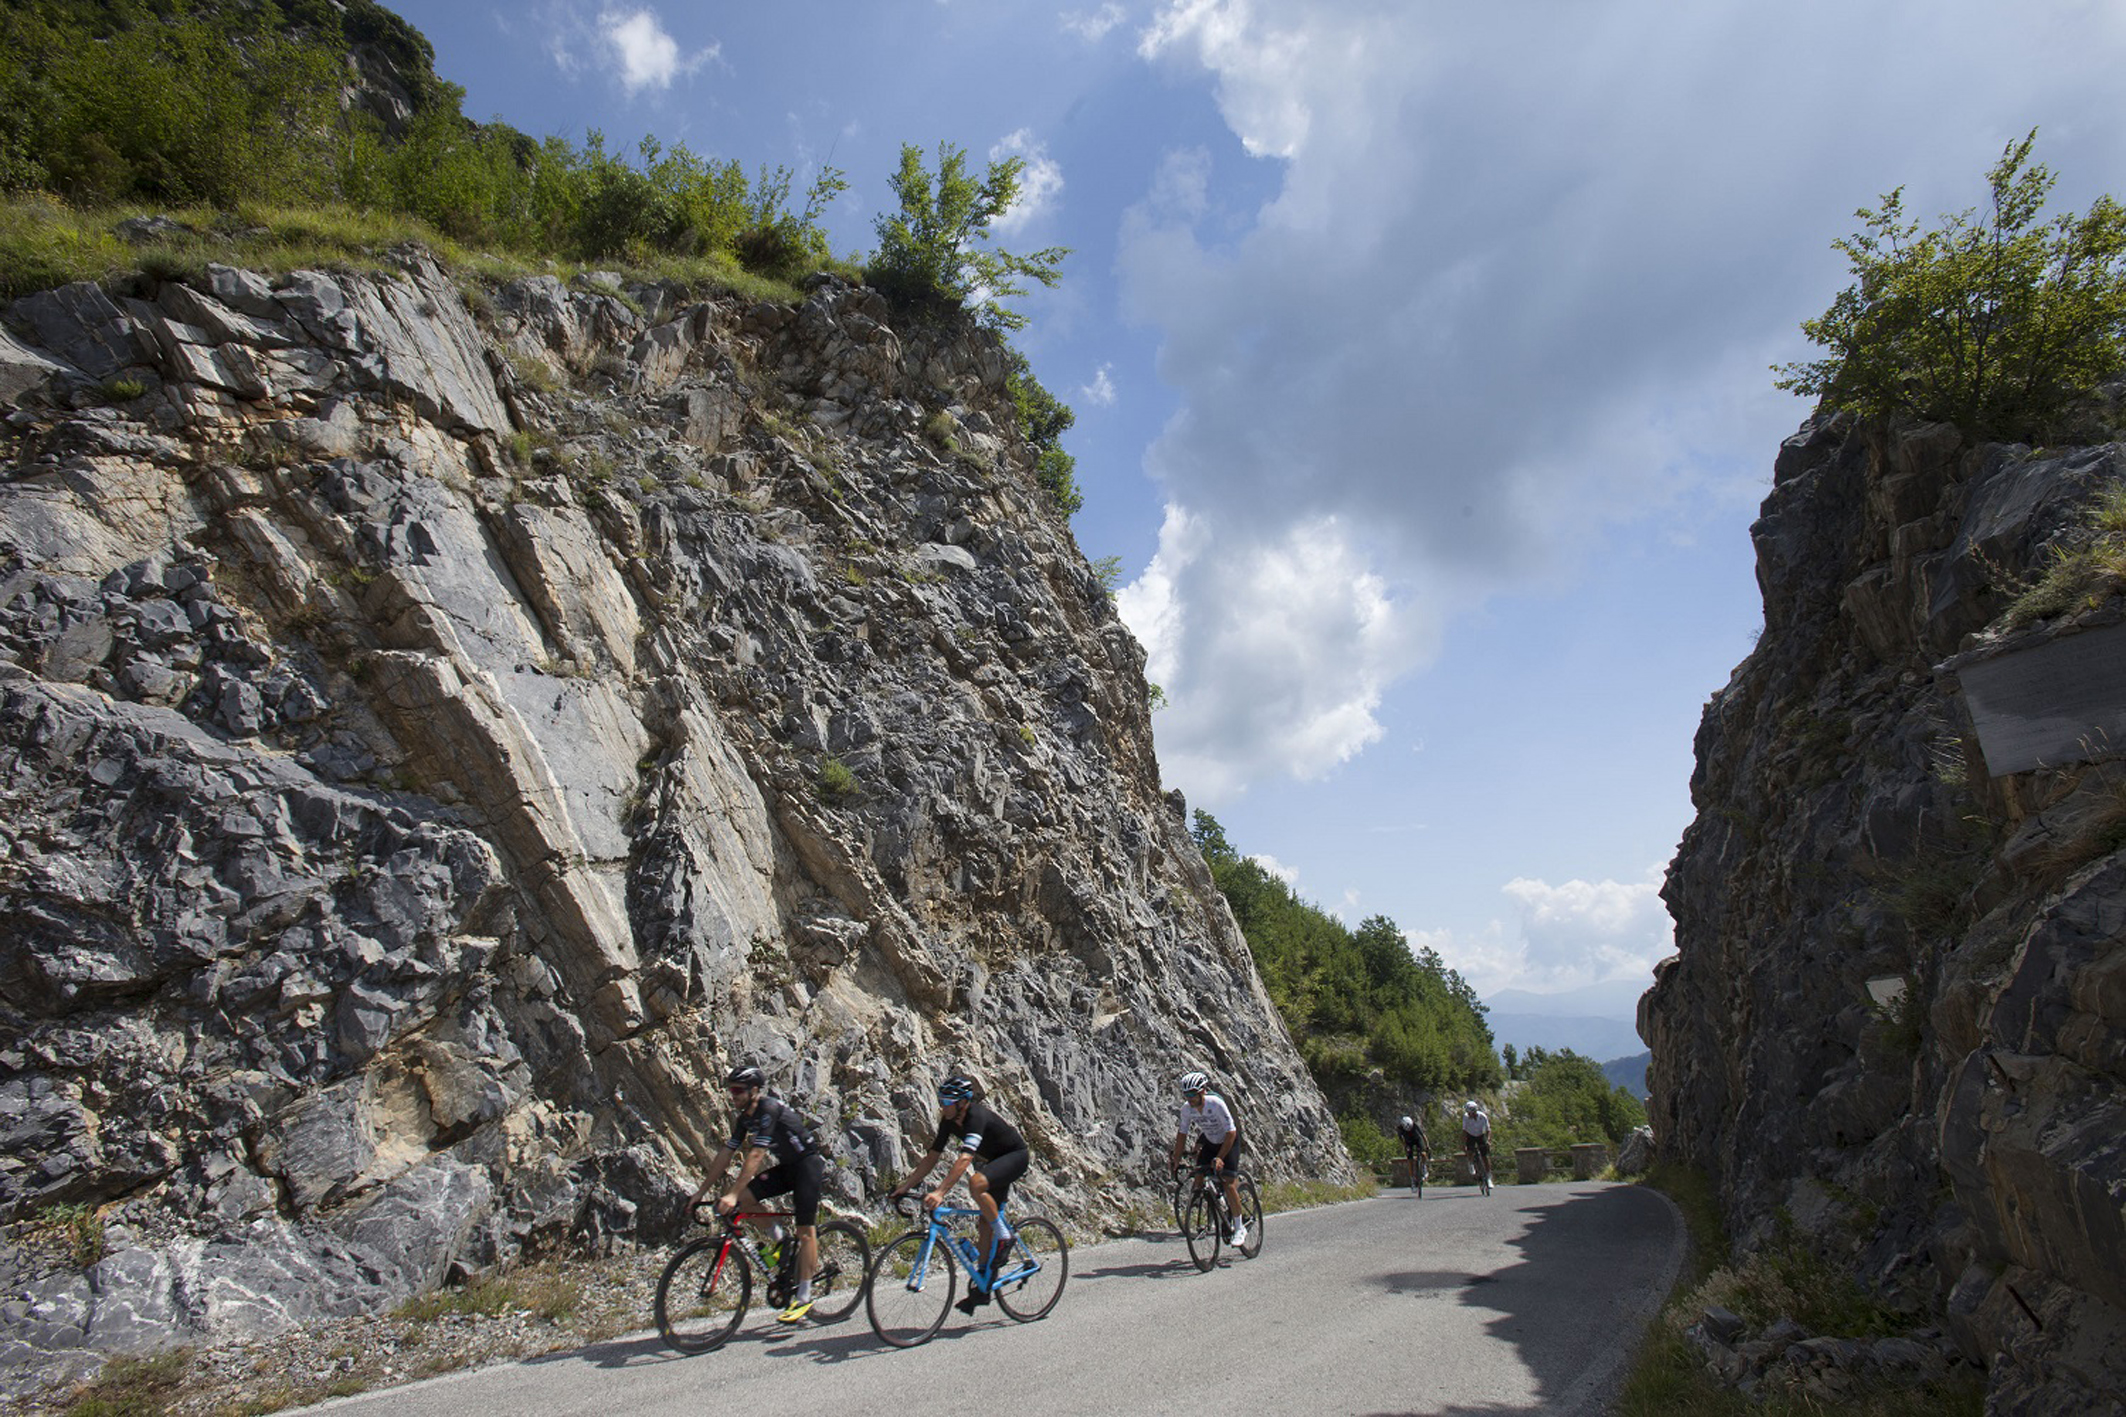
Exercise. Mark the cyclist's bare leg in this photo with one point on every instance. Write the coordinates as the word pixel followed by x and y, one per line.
pixel 1230 1184
pixel 807 1253
pixel 986 1227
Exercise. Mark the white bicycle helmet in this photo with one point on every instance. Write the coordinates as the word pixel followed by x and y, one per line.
pixel 1194 1082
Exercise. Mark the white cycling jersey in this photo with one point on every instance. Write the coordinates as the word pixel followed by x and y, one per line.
pixel 1213 1119
pixel 1476 1124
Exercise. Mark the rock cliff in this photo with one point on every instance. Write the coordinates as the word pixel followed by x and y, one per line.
pixel 442 728
pixel 1895 1027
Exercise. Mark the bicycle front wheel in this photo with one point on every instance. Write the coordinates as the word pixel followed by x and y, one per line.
pixel 1204 1228
pixel 1251 1212
pixel 1032 1276
pixel 1179 1200
pixel 702 1295
pixel 911 1287
pixel 844 1264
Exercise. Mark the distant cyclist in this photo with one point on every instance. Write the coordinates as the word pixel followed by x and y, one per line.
pixel 992 1155
pixel 1417 1150
pixel 780 1157
pixel 1206 1114
pixel 1476 1135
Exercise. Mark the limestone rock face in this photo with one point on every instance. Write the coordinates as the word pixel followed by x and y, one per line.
pixel 1895 1017
pixel 435 746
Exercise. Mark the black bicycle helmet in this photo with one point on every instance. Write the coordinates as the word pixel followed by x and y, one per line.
pixel 746 1076
pixel 955 1089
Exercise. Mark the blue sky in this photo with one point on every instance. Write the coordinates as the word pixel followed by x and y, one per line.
pixel 1419 352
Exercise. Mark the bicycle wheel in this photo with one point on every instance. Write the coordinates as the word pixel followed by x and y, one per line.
pixel 702 1295
pixel 1179 1200
pixel 844 1264
pixel 910 1289
pixel 1204 1229
pixel 1251 1212
pixel 1028 1295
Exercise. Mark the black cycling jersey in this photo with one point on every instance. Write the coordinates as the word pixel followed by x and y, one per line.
pixel 775 1125
pixel 1414 1138
pixel 981 1132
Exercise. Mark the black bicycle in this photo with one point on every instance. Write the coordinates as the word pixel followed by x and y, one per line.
pixel 1206 1219
pixel 703 1293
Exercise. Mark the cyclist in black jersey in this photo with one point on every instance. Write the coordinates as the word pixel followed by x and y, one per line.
pixel 992 1155
pixel 779 1157
pixel 1417 1147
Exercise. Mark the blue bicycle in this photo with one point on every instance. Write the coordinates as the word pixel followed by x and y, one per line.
pixel 915 1275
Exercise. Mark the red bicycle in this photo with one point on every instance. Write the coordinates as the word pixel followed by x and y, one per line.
pixel 704 1292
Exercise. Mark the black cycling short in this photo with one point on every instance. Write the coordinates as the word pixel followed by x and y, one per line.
pixel 1001 1170
pixel 800 1180
pixel 1478 1145
pixel 1207 1152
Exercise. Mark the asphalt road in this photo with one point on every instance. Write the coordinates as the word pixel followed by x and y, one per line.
pixel 1529 1300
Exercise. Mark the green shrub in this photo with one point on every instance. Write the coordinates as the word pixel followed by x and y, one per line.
pixel 1991 321
pixel 933 258
pixel 836 781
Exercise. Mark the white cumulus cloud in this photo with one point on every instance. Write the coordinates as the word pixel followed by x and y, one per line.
pixel 1101 391
pixel 1275 657
pixel 643 55
pixel 1563 936
pixel 1516 282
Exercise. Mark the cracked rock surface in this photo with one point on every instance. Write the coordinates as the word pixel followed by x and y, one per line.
pixel 439 736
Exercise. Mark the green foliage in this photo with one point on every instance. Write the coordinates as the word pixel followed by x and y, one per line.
pixel 835 780
pixel 103 101
pixel 1565 1100
pixel 1994 321
pixel 1042 417
pixel 934 254
pixel 1355 1000
pixel 134 1387
pixel 1306 1193
pixel 80 1227
pixel 1372 1148
pixel 2083 573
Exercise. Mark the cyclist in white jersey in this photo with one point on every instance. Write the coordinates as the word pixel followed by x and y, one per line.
pixel 1217 1143
pixel 1476 1134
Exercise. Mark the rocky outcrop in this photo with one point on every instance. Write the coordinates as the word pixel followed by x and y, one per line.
pixel 439 736
pixel 1894 1022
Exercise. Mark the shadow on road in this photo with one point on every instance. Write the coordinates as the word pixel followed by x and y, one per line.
pixel 1162 1269
pixel 1591 1259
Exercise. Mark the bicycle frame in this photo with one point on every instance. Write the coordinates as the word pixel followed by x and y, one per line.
pixel 736 1237
pixel 939 1222
pixel 1202 1177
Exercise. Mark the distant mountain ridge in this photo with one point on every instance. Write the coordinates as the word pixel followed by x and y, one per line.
pixel 1599 1021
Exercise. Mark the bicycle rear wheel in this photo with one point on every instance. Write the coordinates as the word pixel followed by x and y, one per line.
pixel 1251 1212
pixel 1204 1228
pixel 702 1294
pixel 844 1264
pixel 1032 1293
pixel 910 1289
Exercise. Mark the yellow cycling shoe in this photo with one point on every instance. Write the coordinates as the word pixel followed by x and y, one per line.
pixel 795 1312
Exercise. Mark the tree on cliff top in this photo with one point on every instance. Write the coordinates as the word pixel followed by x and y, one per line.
pixel 1993 321
pixel 933 258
